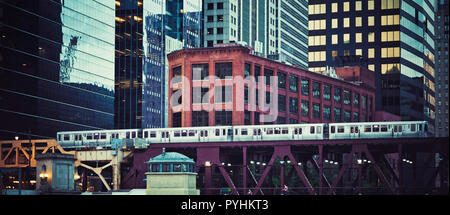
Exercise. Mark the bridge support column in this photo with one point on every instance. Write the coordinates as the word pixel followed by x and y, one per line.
pixel 281 152
pixel 244 170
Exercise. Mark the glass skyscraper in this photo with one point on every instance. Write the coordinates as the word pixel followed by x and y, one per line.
pixel 146 31
pixel 394 38
pixel 277 29
pixel 56 67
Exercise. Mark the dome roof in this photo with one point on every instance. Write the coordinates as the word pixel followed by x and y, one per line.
pixel 171 157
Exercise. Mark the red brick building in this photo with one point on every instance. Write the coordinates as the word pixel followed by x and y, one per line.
pixel 303 96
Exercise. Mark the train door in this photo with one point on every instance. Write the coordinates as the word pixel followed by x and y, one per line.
pixel 257 134
pixel 397 130
pixel 354 132
pixel 204 135
pixel 326 132
pixel 297 134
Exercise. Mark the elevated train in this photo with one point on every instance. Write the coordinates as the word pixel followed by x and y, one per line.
pixel 319 131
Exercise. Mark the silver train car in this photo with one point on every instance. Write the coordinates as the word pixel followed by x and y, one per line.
pixel 318 131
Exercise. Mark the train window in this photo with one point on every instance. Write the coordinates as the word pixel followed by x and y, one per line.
pixel 420 127
pixel 223 132
pixel 133 134
pixel 201 133
pixel 295 131
pixel 269 131
pixel 426 127
pixel 152 134
pixel 89 136
pixel 128 135
pixel 400 128
pixel 367 128
pixel 145 134
pixel 235 131
pixel 217 132
pixel 176 133
pixel 277 131
pixel 230 132
pixel 206 133
pixel 140 134
pixel 356 130
pixel 376 128
pixel 351 130
pixel 299 130
pixel 332 129
pixel 413 127
pixel 255 131
pixel 395 128
pixel 96 136
pixel 163 134
pixel 340 129
pixel 384 128
pixel 66 137
pixel 244 132
pixel 103 136
pixel 184 133
pixel 284 131
pixel 191 133
pixel 319 129
pixel 76 137
pixel 311 130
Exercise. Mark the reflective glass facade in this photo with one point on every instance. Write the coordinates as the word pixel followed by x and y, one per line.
pixel 394 38
pixel 56 67
pixel 146 30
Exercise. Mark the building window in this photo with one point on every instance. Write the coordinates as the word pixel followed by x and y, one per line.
pixel 370 21
pixel 305 108
pixel 257 73
pixel 356 100
pixel 210 18
pixel 346 6
pixel 346 97
pixel 337 95
pixel 334 7
pixel 334 23
pixel 282 103
pixel 337 114
pixel 281 80
pixel 210 6
pixel 247 120
pixel 256 118
pixel 267 74
pixel 210 31
pixel 199 71
pixel 281 120
pixel 358 22
pixel 355 117
pixel 390 4
pixel 370 5
pixel 305 87
pixel 390 20
pixel 176 119
pixel 358 5
pixel 247 70
pixel 210 43
pixel 326 112
pixel 245 95
pixel 346 38
pixel 293 81
pixel 219 30
pixel 176 71
pixel 293 121
pixel 334 39
pixel 390 52
pixel 219 18
pixel 358 52
pixel 219 41
pixel 219 5
pixel 200 118
pixel 371 53
pixel 293 105
pixel 316 90
pixel 347 116
pixel 223 94
pixel 198 93
pixel 363 102
pixel 346 22
pixel 223 70
pixel 326 92
pixel 223 118
pixel 316 110
pixel 358 38
pixel 371 37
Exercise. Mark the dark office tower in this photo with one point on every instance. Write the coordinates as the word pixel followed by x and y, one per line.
pixel 147 30
pixel 442 23
pixel 395 38
pixel 56 67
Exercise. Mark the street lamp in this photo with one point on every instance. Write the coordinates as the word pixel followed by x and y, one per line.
pixel 207 163
pixel 16 137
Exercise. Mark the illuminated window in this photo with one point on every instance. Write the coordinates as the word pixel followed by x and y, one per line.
pixel 346 38
pixel 316 56
pixel 370 5
pixel 317 40
pixel 371 21
pixel 358 5
pixel 371 37
pixel 371 67
pixel 358 37
pixel 334 7
pixel 390 20
pixel 316 9
pixel 390 4
pixel 334 53
pixel 346 22
pixel 334 39
pixel 358 21
pixel 334 23
pixel 371 53
pixel 346 6
pixel 358 52
pixel 390 52
pixel 317 24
